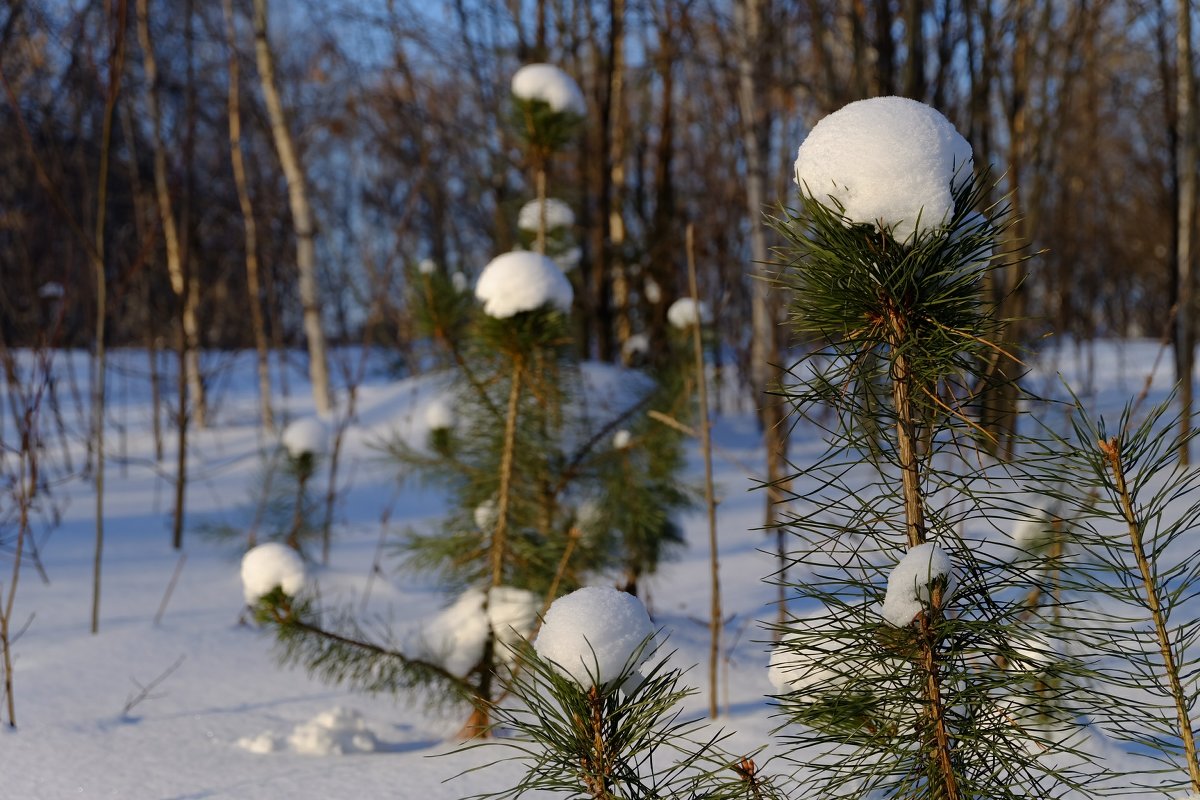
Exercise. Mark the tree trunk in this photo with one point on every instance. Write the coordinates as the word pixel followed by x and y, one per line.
pixel 186 294
pixel 318 367
pixel 1186 182
pixel 765 354
pixel 253 289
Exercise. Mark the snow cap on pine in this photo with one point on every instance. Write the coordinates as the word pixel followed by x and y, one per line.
pixel 908 585
pixel 558 215
pixel 652 291
pixel 459 281
pixel 636 345
pixel 686 312
pixel 439 415
pixel 522 281
pixel 622 439
pixel 51 290
pixel 269 566
pixel 427 266
pixel 552 86
pixel 457 636
pixel 888 161
pixel 486 515
pixel 591 634
pixel 306 435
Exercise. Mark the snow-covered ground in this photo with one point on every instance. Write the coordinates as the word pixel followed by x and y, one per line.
pixel 223 721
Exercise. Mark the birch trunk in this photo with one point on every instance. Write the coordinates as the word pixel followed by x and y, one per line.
pixel 318 367
pixel 185 290
pixel 253 288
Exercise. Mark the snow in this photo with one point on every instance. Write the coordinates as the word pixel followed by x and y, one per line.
pixel 652 291
pixel 636 345
pixel 568 259
pixel 591 634
pixel 183 741
pixel 552 86
pixel 622 439
pixel 1034 529
pixel 686 312
pixel 439 415
pixel 486 515
pixel 887 161
pixel 271 565
pixel 307 435
pixel 800 665
pixel 427 266
pixel 558 215
pixel 521 281
pixel 51 290
pixel 336 732
pixel 908 584
pixel 459 281
pixel 456 637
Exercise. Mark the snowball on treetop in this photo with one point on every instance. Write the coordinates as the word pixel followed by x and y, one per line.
pixel 268 566
pixel 558 215
pixel 486 515
pixel 908 585
pixel 522 281
pixel 636 345
pixel 591 634
pixel 887 161
pixel 622 439
pixel 1034 530
pixel 427 266
pixel 307 435
pixel 439 415
pixel 568 259
pixel 459 281
pixel 551 85
pixel 685 312
pixel 51 290
pixel 652 290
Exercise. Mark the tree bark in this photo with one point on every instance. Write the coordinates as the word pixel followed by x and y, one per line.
pixel 318 365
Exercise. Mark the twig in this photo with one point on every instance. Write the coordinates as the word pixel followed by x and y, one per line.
pixel 162 607
pixel 143 692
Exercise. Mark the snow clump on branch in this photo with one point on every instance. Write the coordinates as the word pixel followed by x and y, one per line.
pixel 456 637
pixel 305 436
pixel 522 281
pixel 552 86
pixel 592 634
pixel 887 162
pixel 908 591
pixel 270 566
pixel 558 215
pixel 686 312
pixel 439 415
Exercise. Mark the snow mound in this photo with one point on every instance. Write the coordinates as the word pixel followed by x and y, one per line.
pixel 270 565
pixel 908 585
pixel 336 732
pixel 456 637
pixel 439 415
pixel 558 215
pixel 591 634
pixel 888 161
pixel 622 439
pixel 686 312
pixel 306 435
pixel 522 281
pixel 552 86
